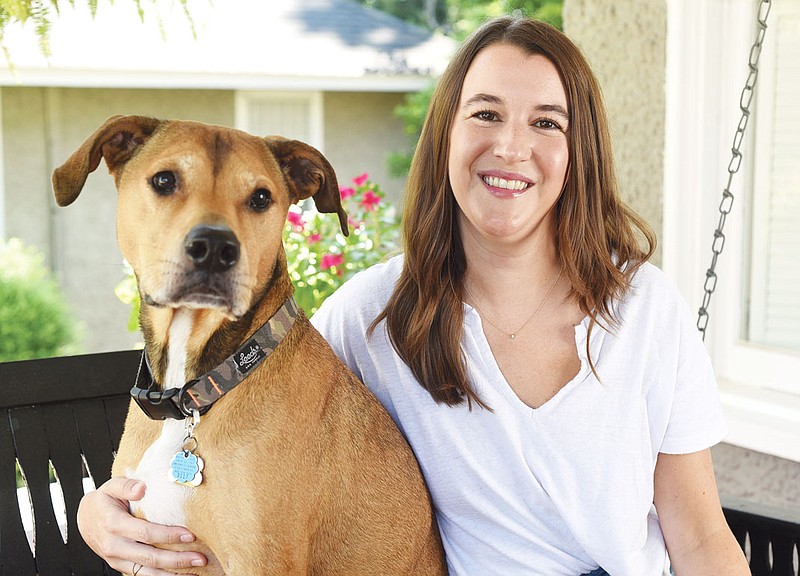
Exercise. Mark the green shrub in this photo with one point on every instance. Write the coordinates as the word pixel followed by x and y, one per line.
pixel 35 321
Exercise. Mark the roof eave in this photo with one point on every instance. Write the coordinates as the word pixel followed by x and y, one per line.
pixel 199 81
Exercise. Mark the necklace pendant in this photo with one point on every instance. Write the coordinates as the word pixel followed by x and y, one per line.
pixel 513 336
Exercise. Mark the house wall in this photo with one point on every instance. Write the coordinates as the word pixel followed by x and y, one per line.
pixel 43 126
pixel 26 167
pixel 625 43
pixel 360 132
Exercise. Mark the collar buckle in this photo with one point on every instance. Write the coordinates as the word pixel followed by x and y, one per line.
pixel 159 405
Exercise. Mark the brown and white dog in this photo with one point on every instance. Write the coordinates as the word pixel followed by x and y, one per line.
pixel 258 439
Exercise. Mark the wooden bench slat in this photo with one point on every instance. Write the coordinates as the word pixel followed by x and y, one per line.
pixel 98 442
pixel 65 456
pixel 15 554
pixel 33 454
pixel 66 378
pixel 782 554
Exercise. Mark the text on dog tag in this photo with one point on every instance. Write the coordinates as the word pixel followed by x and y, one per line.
pixel 186 468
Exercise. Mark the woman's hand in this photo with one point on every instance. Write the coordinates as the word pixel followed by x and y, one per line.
pixel 127 542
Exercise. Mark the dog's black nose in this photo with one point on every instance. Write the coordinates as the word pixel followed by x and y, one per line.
pixel 212 248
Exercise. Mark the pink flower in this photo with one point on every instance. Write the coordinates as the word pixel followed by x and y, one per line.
pixel 359 180
pixel 296 220
pixel 331 261
pixel 346 192
pixel 370 200
pixel 314 238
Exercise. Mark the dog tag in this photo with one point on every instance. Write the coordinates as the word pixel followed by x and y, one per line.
pixel 186 468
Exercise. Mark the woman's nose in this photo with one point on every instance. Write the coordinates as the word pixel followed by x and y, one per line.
pixel 514 143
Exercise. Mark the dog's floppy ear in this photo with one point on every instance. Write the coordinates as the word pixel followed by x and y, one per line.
pixel 115 140
pixel 308 173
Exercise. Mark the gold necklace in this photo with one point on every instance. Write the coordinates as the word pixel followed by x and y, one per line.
pixel 513 334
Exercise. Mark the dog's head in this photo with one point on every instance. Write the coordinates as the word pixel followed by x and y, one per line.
pixel 201 208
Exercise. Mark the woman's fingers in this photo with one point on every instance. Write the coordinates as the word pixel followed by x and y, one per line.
pixel 127 542
pixel 153 561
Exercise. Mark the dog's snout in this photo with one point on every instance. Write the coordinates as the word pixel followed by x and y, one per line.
pixel 212 248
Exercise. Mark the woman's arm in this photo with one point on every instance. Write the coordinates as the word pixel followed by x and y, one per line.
pixel 122 540
pixel 698 538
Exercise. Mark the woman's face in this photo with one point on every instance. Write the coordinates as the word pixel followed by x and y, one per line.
pixel 508 146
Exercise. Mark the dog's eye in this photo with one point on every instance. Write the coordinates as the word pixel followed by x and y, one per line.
pixel 260 200
pixel 164 183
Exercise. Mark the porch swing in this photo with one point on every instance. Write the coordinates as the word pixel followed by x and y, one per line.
pixel 770 539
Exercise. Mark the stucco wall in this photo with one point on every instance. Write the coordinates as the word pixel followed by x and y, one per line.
pixel 625 43
pixel 26 167
pixel 354 124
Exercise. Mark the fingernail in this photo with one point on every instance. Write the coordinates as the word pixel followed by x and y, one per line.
pixel 187 538
pixel 197 562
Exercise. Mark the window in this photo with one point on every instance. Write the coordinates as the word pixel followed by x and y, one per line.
pixel 296 115
pixel 773 310
pixel 754 330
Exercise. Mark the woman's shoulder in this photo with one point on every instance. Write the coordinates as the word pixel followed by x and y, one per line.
pixel 652 281
pixel 653 293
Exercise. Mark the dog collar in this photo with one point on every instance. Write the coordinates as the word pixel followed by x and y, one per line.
pixel 199 394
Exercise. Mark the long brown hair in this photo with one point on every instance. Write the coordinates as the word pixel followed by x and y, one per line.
pixel 598 238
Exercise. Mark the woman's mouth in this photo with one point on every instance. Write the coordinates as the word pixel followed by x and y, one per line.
pixel 503 186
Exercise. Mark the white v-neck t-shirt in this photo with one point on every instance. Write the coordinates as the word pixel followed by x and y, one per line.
pixel 568 486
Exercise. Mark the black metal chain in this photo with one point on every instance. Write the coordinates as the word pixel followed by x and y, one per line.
pixel 733 167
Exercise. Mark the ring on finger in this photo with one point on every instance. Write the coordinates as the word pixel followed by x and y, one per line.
pixel 136 568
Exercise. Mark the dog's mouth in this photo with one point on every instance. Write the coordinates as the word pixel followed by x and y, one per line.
pixel 201 300
pixel 198 291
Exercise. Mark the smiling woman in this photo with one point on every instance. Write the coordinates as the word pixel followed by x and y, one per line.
pixel 524 343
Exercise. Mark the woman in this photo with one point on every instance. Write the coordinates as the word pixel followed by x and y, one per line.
pixel 550 381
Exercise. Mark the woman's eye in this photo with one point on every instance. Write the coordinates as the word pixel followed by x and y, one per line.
pixel 547 124
pixel 164 182
pixel 260 200
pixel 485 115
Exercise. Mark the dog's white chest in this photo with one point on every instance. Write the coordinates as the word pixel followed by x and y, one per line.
pixel 164 500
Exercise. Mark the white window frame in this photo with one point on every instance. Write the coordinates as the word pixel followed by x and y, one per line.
pixel 783 14
pixel 314 101
pixel 707 54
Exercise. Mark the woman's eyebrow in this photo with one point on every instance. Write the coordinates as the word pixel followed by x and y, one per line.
pixel 555 108
pixel 481 98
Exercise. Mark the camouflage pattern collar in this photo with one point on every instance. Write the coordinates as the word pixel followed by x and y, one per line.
pixel 199 394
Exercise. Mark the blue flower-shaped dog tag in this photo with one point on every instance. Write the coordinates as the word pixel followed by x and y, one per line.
pixel 186 468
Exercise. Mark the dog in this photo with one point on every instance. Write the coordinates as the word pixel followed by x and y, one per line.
pixel 245 426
